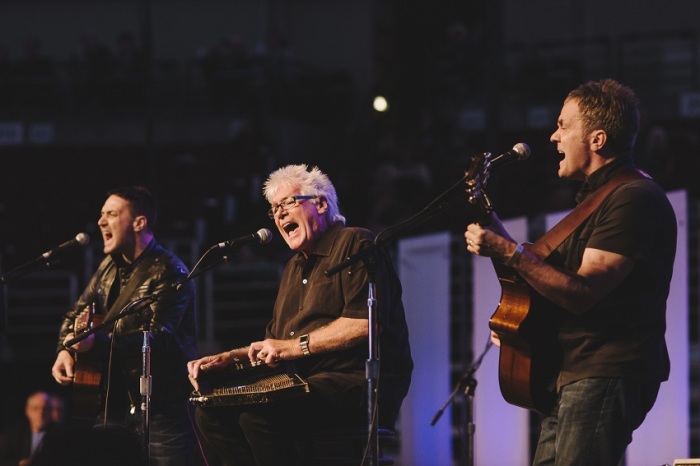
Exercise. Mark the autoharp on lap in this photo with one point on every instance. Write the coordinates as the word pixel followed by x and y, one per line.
pixel 248 384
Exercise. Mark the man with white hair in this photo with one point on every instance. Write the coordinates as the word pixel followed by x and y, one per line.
pixel 320 326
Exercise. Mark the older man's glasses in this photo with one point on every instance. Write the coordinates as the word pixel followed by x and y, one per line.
pixel 286 204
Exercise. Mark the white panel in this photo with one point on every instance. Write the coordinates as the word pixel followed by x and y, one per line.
pixel 665 433
pixel 424 268
pixel 501 429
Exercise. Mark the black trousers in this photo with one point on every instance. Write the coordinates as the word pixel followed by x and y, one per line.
pixel 274 433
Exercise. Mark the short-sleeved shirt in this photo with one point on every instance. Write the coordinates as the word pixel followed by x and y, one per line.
pixel 623 334
pixel 308 298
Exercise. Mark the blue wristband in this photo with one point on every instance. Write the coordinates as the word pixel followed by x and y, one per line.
pixel 510 262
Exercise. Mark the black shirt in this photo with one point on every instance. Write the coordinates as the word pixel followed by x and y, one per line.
pixel 623 334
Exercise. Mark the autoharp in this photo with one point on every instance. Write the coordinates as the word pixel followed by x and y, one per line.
pixel 248 384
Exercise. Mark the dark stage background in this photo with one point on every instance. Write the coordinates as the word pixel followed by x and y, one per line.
pixel 201 99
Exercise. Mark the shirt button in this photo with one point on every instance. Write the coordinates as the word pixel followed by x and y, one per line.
pixel 304 281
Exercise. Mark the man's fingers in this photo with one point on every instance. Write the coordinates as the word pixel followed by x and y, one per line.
pixel 193 381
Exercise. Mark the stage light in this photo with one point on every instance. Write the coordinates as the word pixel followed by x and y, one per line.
pixel 380 104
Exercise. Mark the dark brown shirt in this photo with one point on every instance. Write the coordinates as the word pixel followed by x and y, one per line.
pixel 308 299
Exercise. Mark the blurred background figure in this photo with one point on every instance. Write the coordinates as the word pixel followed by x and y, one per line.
pixel 20 441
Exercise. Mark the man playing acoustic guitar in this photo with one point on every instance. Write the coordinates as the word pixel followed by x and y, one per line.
pixel 135 266
pixel 608 282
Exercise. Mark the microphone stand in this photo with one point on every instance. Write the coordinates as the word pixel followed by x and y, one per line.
pixel 467 384
pixel 145 382
pixel 146 386
pixel 372 363
pixel 367 255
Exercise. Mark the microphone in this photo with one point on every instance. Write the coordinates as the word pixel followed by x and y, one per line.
pixel 262 236
pixel 45 260
pixel 81 239
pixel 519 152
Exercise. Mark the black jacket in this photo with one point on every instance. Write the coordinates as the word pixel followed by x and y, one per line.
pixel 173 335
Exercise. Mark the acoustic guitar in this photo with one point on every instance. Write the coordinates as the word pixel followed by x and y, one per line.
pixel 87 370
pixel 524 321
pixel 529 358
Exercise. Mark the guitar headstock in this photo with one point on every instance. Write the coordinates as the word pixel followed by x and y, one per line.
pixel 83 321
pixel 476 177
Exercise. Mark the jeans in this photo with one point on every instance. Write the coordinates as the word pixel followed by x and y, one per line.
pixel 592 422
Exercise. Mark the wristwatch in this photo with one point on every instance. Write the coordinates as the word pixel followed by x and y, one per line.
pixel 304 343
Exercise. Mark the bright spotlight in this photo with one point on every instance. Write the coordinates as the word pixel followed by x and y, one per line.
pixel 380 104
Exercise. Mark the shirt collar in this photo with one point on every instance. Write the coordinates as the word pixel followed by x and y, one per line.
pixel 599 177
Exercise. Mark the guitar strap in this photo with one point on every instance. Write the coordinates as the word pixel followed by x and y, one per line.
pixel 544 246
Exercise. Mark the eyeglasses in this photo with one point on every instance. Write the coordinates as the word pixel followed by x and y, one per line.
pixel 286 204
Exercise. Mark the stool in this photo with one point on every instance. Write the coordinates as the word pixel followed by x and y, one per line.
pixel 345 447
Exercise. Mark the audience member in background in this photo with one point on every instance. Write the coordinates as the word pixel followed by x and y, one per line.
pixel 20 442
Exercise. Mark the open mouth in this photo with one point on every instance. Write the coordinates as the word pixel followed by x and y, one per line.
pixel 290 227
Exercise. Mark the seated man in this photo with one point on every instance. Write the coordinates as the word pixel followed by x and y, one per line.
pixel 320 326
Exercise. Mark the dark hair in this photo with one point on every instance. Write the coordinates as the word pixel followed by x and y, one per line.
pixel 141 202
pixel 612 107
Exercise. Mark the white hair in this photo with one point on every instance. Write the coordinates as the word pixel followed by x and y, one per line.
pixel 311 182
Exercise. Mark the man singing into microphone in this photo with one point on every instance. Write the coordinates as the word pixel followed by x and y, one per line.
pixel 135 266
pixel 319 326
pixel 607 282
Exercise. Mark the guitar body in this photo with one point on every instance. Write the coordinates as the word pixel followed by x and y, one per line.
pixel 87 370
pixel 529 358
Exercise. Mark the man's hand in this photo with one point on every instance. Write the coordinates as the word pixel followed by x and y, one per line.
pixel 62 369
pixel 208 363
pixel 491 241
pixel 495 339
pixel 271 352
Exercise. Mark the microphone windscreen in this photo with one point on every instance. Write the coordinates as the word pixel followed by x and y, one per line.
pixel 82 238
pixel 523 150
pixel 265 235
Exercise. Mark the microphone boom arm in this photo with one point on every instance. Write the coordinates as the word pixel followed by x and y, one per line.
pixel 40 262
pixel 46 260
